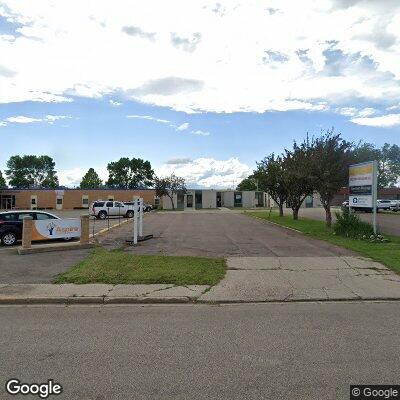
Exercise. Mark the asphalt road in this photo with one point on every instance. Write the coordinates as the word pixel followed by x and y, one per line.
pixel 387 223
pixel 268 351
pixel 222 234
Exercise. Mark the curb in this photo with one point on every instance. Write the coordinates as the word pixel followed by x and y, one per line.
pixel 169 300
pixel 274 223
pixel 50 248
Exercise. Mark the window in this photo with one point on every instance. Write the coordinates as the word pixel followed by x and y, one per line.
pixel 59 200
pixel 98 204
pixel 40 216
pixel 156 201
pixel 109 204
pixel 21 216
pixel 85 201
pixel 118 204
pixel 7 217
pixel 33 200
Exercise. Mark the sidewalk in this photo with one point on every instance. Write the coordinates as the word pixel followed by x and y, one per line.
pixel 97 293
pixel 248 279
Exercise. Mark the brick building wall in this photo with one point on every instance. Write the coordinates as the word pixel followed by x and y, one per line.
pixel 67 199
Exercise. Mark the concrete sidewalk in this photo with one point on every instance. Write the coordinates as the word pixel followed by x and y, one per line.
pixel 98 293
pixel 248 279
pixel 262 279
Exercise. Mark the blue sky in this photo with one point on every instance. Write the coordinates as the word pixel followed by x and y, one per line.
pixel 193 95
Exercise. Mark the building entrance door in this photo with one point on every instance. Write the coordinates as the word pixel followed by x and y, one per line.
pixel 180 201
pixel 59 202
pixel 219 199
pixel 198 199
pixel 189 201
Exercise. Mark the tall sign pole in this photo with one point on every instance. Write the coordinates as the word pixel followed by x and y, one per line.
pixel 135 221
pixel 375 195
pixel 363 188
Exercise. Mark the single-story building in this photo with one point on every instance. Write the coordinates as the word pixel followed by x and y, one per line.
pixel 67 199
pixel 212 198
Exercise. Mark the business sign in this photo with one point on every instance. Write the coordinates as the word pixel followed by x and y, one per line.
pixel 362 179
pixel 46 229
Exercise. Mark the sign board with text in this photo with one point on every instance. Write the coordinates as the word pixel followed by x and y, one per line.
pixel 362 180
pixel 56 229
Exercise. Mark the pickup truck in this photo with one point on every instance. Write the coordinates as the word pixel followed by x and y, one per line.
pixel 103 209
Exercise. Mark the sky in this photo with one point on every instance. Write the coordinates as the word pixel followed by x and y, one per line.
pixel 201 89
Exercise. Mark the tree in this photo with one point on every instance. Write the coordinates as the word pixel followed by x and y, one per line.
pixel 3 184
pixel 331 157
pixel 298 173
pixel 169 186
pixel 388 158
pixel 271 177
pixel 31 171
pixel 249 183
pixel 389 165
pixel 91 180
pixel 129 174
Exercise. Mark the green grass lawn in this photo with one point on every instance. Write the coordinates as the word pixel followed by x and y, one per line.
pixel 116 267
pixel 386 253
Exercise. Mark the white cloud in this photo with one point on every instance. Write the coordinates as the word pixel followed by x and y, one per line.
pixel 385 121
pixel 183 127
pixel 115 103
pixel 150 118
pixel 21 119
pixel 200 133
pixel 72 177
pixel 193 56
pixel 2 123
pixel 208 172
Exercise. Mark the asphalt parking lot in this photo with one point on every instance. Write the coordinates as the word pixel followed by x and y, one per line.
pixel 224 234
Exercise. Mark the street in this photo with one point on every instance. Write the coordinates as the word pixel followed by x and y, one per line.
pixel 260 351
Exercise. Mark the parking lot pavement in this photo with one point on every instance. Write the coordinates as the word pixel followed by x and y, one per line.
pixel 387 223
pixel 36 268
pixel 220 235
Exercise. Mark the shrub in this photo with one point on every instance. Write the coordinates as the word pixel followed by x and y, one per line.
pixel 350 225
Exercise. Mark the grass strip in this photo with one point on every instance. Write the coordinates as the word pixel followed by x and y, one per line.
pixel 119 267
pixel 385 253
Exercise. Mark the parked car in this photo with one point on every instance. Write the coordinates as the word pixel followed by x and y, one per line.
pixel 146 206
pixel 11 224
pixel 383 205
pixel 395 205
pixel 103 209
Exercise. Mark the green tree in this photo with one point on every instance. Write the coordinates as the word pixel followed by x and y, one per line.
pixel 298 173
pixel 169 186
pixel 249 183
pixel 331 157
pixel 31 171
pixel 91 180
pixel 3 184
pixel 129 174
pixel 388 158
pixel 271 177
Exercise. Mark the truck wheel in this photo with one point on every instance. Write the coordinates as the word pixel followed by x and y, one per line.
pixel 8 239
pixel 130 214
pixel 102 215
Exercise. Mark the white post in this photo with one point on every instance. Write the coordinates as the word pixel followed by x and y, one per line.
pixel 141 217
pixel 374 195
pixel 135 221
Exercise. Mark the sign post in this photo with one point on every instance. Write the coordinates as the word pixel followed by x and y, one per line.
pixel 363 187
pixel 140 217
pixel 135 221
